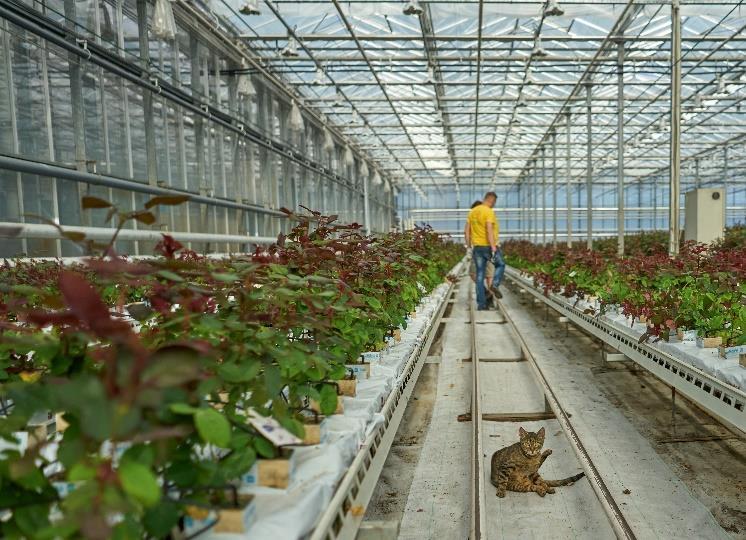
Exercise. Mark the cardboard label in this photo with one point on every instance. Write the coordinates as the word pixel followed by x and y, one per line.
pixel 732 352
pixel 360 371
pixel 271 430
pixel 372 356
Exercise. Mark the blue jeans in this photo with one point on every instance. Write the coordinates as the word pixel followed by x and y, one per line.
pixel 481 255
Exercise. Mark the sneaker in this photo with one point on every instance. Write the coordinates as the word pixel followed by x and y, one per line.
pixel 496 291
pixel 490 302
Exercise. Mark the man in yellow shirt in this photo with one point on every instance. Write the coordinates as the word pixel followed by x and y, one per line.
pixel 481 234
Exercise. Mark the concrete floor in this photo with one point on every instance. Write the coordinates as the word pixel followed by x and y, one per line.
pixel 425 483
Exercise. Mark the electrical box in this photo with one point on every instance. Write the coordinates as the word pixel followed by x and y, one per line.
pixel 704 219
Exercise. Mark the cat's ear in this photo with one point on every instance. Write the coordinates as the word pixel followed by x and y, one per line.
pixel 540 433
pixel 522 433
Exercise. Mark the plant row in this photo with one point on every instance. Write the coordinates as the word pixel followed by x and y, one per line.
pixel 702 289
pixel 155 364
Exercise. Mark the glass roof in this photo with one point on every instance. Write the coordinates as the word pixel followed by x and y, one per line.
pixel 472 92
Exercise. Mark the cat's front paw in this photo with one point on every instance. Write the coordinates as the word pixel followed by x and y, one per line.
pixel 501 493
pixel 547 452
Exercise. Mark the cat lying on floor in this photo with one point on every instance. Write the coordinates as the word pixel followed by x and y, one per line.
pixel 516 467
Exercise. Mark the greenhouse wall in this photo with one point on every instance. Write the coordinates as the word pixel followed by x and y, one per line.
pixel 646 207
pixel 145 114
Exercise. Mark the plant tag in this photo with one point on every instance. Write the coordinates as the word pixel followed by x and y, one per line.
pixel 732 352
pixel 360 371
pixel 371 357
pixel 270 429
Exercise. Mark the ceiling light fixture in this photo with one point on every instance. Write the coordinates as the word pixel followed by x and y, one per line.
pixel 250 7
pixel 291 49
pixel 529 76
pixel 244 86
pixel 521 101
pixel 413 7
pixel 553 9
pixel 722 90
pixel 320 77
pixel 538 50
pixel 339 99
pixel 349 159
pixel 164 24
pixel 296 118
pixel 698 103
pixel 328 145
pixel 430 74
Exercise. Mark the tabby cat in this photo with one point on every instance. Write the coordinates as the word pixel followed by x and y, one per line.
pixel 516 467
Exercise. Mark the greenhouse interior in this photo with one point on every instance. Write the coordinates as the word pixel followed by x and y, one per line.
pixel 304 270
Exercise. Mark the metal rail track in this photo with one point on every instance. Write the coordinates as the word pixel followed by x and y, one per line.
pixel 477 470
pixel 616 518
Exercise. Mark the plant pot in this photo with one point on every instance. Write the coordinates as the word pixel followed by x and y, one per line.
pixel 312 434
pixel 347 387
pixel 643 319
pixel 316 407
pixel 272 473
pixel 234 518
pixel 59 423
pixel 686 336
pixel 397 335
pixel 742 360
pixel 709 342
pixel 673 336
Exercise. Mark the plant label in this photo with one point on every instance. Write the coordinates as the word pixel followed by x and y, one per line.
pixel 270 429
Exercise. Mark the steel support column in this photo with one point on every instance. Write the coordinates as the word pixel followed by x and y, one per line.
pixel 366 204
pixel 620 148
pixel 589 169
pixel 543 196
pixel 568 181
pixel 147 95
pixel 554 189
pixel 675 170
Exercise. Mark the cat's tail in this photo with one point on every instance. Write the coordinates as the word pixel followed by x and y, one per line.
pixel 570 480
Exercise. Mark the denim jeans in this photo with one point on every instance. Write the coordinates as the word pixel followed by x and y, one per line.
pixel 481 255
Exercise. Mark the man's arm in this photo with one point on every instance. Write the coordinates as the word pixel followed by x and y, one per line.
pixel 491 235
pixel 467 234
